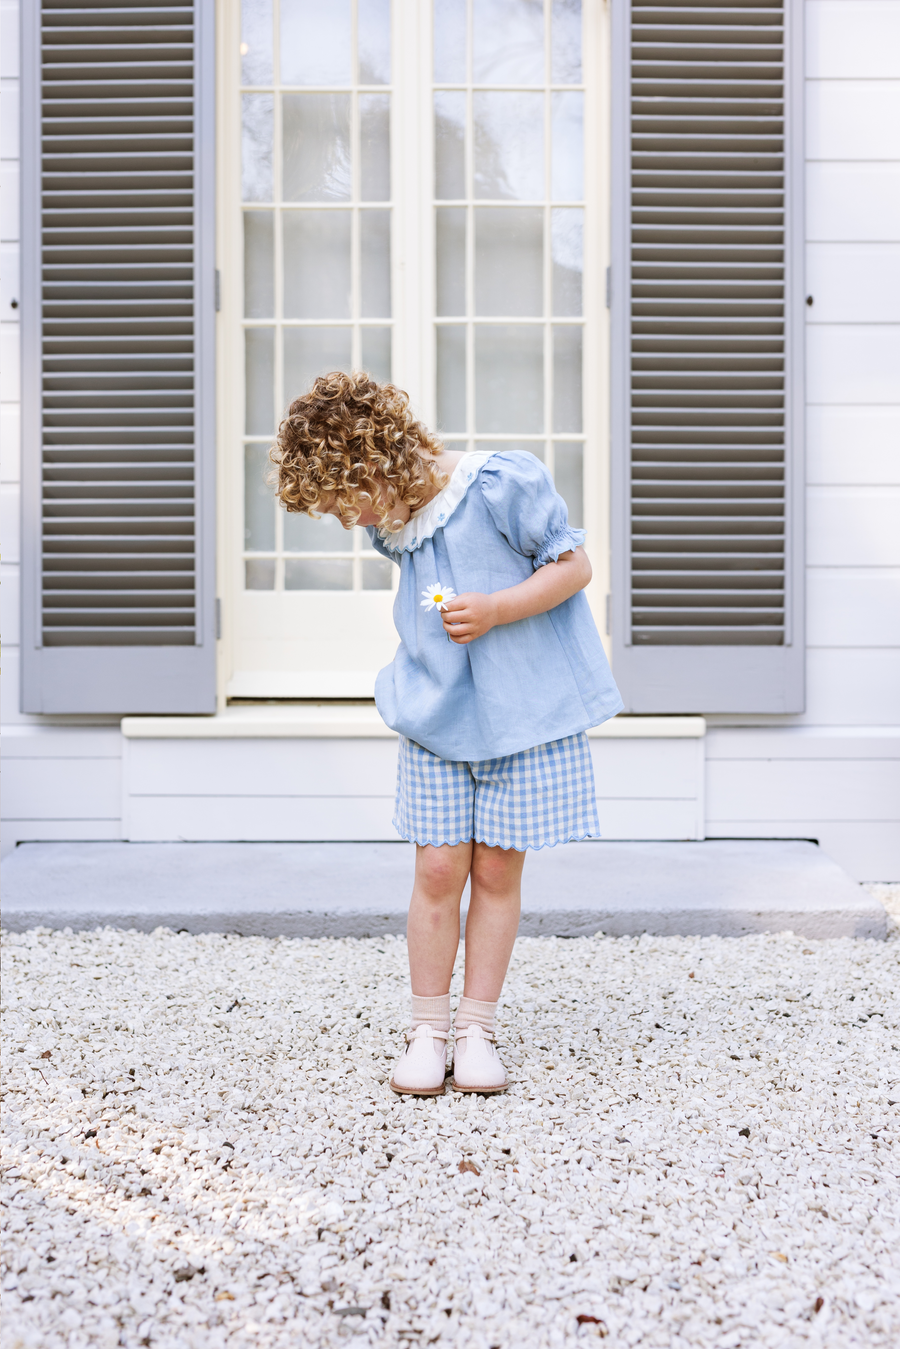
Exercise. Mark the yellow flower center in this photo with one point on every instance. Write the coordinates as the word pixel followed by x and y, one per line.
pixel 438 599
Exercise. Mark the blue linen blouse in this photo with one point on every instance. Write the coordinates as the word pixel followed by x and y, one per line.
pixel 520 684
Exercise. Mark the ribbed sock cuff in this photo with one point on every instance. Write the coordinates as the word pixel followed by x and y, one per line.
pixel 431 1011
pixel 472 1012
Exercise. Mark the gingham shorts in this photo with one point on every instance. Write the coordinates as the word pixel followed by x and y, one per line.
pixel 534 799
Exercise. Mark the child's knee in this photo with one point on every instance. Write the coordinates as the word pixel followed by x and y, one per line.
pixel 496 871
pixel 441 874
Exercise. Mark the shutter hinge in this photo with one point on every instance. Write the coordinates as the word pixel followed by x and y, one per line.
pixel 219 290
pixel 608 286
pixel 608 614
pixel 219 620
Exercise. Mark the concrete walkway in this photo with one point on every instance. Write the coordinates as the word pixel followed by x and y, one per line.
pixel 722 887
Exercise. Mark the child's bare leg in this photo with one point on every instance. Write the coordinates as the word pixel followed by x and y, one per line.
pixel 493 919
pixel 432 928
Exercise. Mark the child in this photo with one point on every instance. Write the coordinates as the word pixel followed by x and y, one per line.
pixel 498 674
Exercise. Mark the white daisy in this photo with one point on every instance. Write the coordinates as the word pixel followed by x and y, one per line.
pixel 436 596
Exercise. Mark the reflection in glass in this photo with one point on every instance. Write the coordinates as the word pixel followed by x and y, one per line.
pixel 259 381
pixel 315 42
pixel 566 42
pixel 376 353
pixel 375 263
pixel 567 254
pixel 450 227
pixel 375 147
pixel 509 146
pixel 377 574
pixel 568 474
pixel 257 111
pixel 509 378
pixel 302 534
pixel 535 447
pixel 449 146
pixel 567 118
pixel 316 147
pixel 316 264
pixel 451 378
pixel 374 37
pixel 259 573
pixel 508 41
pixel 449 41
pixel 259 503
pixel 259 264
pixel 509 255
pixel 305 574
pixel 256 41
pixel 567 366
pixel 309 352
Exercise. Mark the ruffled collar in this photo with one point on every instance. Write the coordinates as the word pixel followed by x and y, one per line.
pixel 435 515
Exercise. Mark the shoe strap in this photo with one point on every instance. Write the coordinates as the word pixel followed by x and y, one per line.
pixel 436 1034
pixel 485 1035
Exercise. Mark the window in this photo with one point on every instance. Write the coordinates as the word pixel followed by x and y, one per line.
pixel 412 202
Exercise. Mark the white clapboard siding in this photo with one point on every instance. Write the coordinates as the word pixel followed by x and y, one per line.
pixel 704 294
pixel 118 276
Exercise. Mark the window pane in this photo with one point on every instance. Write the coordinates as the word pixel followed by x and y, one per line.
pixel 374 36
pixel 376 353
pixel 309 352
pixel 375 147
pixel 509 261
pixel 316 264
pixel 568 475
pixel 259 264
pixel 315 42
pixel 509 146
pixel 508 41
pixel 567 112
pixel 535 447
pixel 566 42
pixel 259 502
pixel 316 133
pixel 567 252
pixel 449 146
pixel 375 264
pixel 377 575
pixel 259 574
pixel 451 260
pixel 259 395
pixel 308 575
pixel 256 41
pixel 257 111
pixel 305 535
pixel 449 41
pixel 567 379
pixel 451 378
pixel 509 378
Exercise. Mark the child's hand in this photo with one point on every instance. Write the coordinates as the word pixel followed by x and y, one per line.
pixel 469 616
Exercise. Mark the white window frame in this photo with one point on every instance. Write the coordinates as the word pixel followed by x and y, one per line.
pixel 359 624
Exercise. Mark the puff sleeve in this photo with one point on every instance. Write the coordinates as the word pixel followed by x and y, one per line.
pixel 526 507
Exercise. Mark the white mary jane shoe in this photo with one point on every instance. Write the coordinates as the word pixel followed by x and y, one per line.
pixel 476 1063
pixel 421 1069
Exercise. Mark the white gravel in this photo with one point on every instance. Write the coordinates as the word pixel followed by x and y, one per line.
pixel 201 1151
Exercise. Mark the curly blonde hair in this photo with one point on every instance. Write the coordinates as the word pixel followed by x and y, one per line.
pixel 350 438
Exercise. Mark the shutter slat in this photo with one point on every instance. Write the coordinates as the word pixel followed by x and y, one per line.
pixel 118 329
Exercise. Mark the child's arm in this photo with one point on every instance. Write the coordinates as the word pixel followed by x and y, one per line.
pixel 472 615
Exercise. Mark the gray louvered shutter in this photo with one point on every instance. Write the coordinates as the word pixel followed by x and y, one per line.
pixel 118 320
pixel 707 322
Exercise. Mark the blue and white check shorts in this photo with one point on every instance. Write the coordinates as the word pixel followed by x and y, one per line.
pixel 534 799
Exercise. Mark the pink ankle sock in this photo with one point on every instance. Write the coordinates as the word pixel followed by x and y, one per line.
pixel 432 1011
pixel 472 1012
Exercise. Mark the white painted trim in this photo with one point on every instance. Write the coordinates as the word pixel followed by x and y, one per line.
pixel 348 721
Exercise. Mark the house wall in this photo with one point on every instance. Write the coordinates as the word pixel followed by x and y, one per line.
pixel 831 773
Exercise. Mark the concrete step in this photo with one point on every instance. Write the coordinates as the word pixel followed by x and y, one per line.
pixel 724 887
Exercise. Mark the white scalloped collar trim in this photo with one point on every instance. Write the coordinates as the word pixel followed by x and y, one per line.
pixel 435 515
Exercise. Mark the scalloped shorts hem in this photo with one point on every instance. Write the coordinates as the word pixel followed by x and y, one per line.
pixel 538 798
